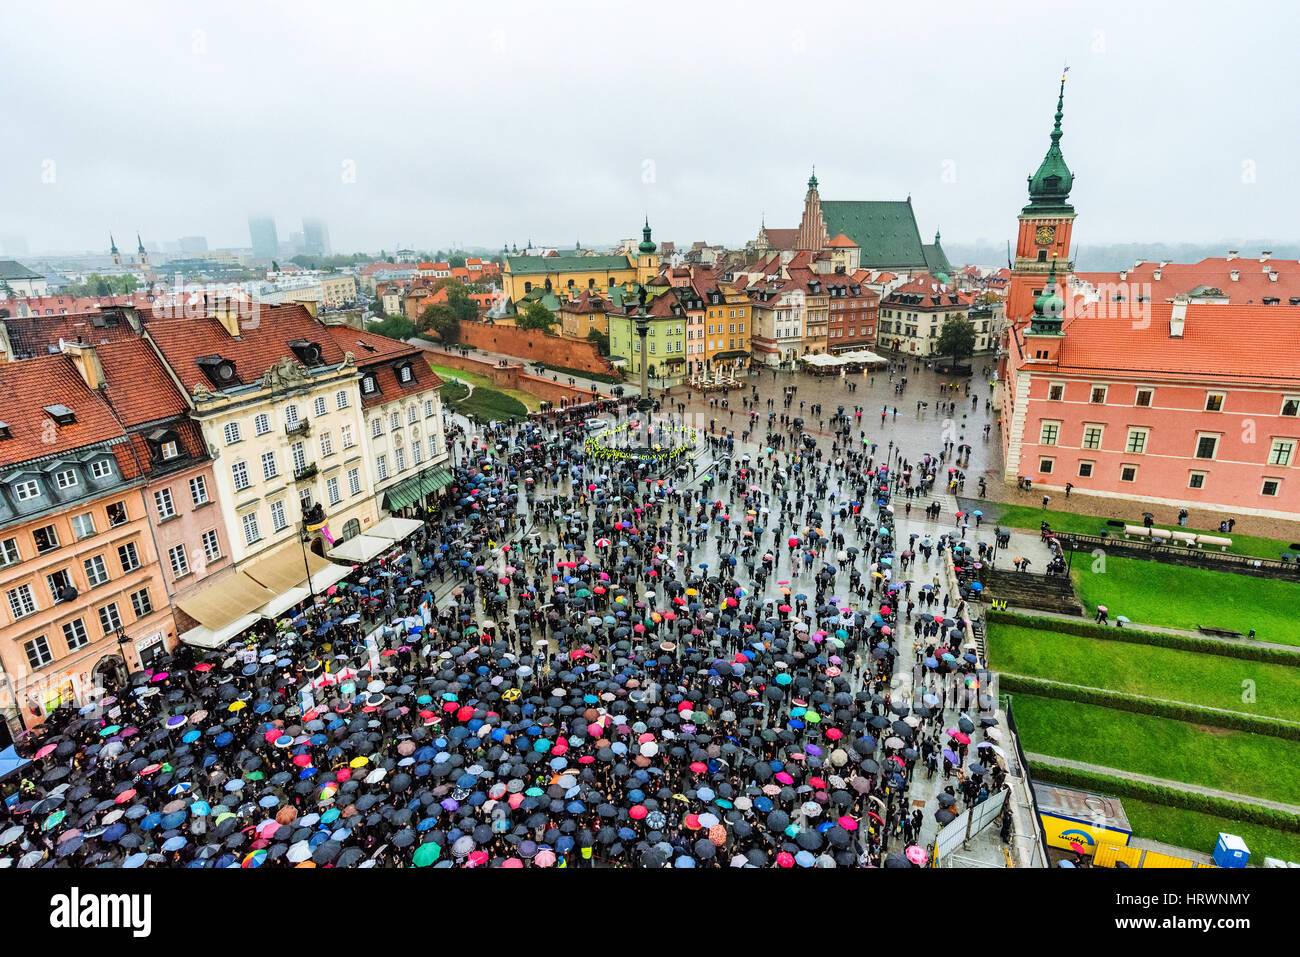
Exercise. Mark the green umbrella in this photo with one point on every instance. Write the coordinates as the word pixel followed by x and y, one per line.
pixel 54 819
pixel 812 717
pixel 426 854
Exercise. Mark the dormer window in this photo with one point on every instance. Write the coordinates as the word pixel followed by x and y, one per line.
pixel 368 386
pixel 308 353
pixel 4 431
pixel 61 414
pixel 220 372
pixel 163 445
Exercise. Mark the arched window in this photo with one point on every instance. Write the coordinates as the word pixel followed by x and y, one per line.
pixel 528 287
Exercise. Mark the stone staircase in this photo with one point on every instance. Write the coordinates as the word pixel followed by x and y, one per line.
pixel 1026 590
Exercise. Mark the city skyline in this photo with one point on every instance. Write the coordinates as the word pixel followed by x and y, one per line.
pixel 680 154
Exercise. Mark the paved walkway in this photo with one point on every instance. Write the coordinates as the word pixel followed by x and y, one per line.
pixel 1139 626
pixel 1163 782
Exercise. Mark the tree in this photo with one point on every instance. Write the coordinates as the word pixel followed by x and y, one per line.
pixel 395 327
pixel 377 307
pixel 441 320
pixel 275 266
pixel 456 261
pixel 536 316
pixel 601 339
pixel 957 339
pixel 462 306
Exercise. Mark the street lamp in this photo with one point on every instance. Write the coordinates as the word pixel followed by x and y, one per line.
pixel 123 641
pixel 312 519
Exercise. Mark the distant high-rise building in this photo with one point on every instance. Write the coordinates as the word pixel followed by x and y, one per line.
pixel 193 244
pixel 266 244
pixel 316 237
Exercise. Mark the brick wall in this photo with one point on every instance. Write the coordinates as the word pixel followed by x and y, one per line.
pixel 512 377
pixel 532 345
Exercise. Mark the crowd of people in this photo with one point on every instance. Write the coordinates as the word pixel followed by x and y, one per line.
pixel 577 660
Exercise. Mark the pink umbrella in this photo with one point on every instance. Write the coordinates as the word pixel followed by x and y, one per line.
pixel 848 823
pixel 544 858
pixel 917 855
pixel 512 862
pixel 784 778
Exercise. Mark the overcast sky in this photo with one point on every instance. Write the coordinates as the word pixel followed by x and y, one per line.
pixel 488 122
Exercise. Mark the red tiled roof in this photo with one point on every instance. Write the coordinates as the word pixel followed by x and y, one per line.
pixel 36 335
pixel 934 294
pixel 842 242
pixel 782 238
pixel 1212 344
pixel 27 387
pixel 1251 286
pixel 137 384
pixel 260 345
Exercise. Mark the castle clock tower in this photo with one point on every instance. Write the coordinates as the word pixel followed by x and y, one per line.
pixel 1045 228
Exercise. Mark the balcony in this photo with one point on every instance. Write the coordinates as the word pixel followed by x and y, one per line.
pixel 308 471
pixel 302 428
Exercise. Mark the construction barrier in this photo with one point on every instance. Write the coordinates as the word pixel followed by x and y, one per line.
pixel 1111 855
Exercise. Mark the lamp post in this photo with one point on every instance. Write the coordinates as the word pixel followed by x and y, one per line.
pixel 123 641
pixel 642 330
pixel 313 516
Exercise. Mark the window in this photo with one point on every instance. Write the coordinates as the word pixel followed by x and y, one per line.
pixel 376 428
pixel 1214 402
pixel 354 481
pixel 211 545
pixel 1270 486
pixel 1143 398
pixel 66 479
pixel 21 601
pixel 1196 480
pixel 46 538
pixel 412 414
pixel 169 449
pixel 291 416
pixel 299 454
pixel 262 423
pixel 116 514
pixel 58 582
pixel 1137 441
pixel 180 561
pixel 1045 466
pixel 400 457
pixel 140 603
pixel 1281 452
pixel 1128 473
pixel 109 618
pixel 269 467
pixel 1291 405
pixel 101 469
pixel 240 472
pixel 404 374
pixel 199 489
pixel 1092 436
pixel 340 399
pixel 163 500
pixel 1085 469
pixel 326 443
pixel 26 490
pixel 368 383
pixel 345 436
pixel 428 408
pixel 318 406
pixel 38 652
pixel 9 554
pixel 1206 446
pixel 394 421
pixel 304 499
pixel 417 454
pixel 382 464
pixel 278 520
pixel 332 490
pixel 1056 391
pixel 83 526
pixel 129 556
pixel 231 432
pixel 74 633
pixel 251 532
pixel 1049 433
pixel 96 571
pixel 1098 394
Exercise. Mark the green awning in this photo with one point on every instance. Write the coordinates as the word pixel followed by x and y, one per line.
pixel 416 487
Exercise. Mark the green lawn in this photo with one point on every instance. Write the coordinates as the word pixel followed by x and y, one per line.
pixel 529 401
pixel 1149 670
pixel 1178 597
pixel 1198 831
pixel 1233 761
pixel 1029 517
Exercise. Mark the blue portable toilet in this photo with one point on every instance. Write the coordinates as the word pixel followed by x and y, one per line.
pixel 1231 851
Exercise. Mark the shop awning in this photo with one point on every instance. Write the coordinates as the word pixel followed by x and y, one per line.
pixel 208 638
pixel 361 548
pixel 395 528
pixel 233 597
pixel 415 488
pixel 284 570
pixel 282 603
pixel 329 575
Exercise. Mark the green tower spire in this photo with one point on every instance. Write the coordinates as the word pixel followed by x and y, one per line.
pixel 1049 188
pixel 1049 307
pixel 646 245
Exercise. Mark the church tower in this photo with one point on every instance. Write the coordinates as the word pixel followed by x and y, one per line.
pixel 141 255
pixel 647 263
pixel 812 228
pixel 117 256
pixel 1045 228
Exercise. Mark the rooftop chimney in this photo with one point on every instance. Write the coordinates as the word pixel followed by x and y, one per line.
pixel 1232 254
pixel 1235 275
pixel 1156 275
pixel 1272 276
pixel 86 358
pixel 1123 275
pixel 1263 257
pixel 1178 317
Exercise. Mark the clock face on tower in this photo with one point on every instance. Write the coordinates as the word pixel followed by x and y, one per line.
pixel 1044 235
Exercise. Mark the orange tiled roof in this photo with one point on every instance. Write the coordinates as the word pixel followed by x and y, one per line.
pixel 137 384
pixel 842 242
pixel 1251 286
pixel 27 387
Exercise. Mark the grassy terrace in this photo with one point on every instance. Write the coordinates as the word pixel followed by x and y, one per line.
pixel 1199 831
pixel 1029 517
pixel 1169 673
pixel 1178 597
pixel 530 402
pixel 1193 754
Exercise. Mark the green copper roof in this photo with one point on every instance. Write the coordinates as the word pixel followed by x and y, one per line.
pixel 646 245
pixel 541 265
pixel 1049 307
pixel 936 261
pixel 884 229
pixel 812 180
pixel 1049 188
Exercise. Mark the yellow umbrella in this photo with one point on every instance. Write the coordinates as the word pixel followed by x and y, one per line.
pixel 237 706
pixel 359 762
